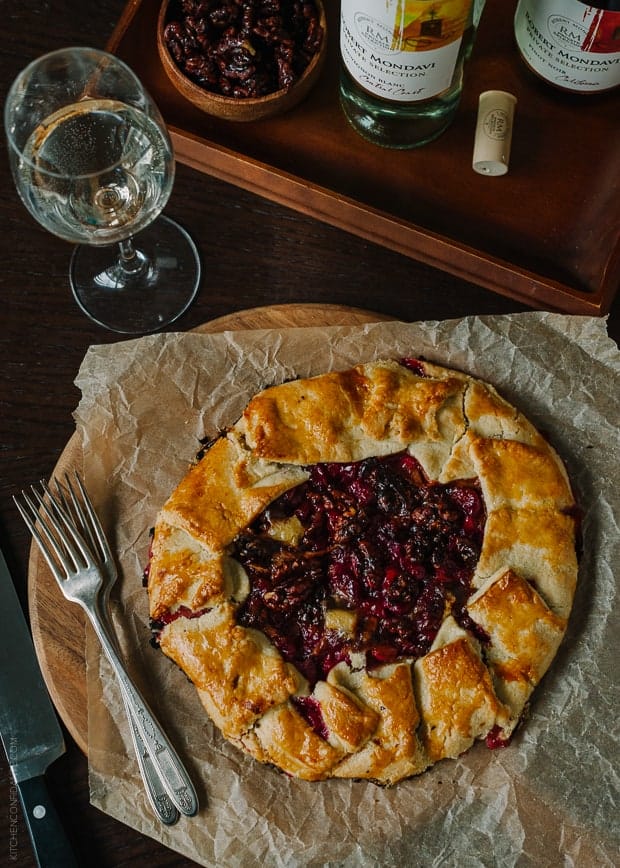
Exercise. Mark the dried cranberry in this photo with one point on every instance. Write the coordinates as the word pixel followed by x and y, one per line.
pixel 310 710
pixel 415 365
pixel 495 740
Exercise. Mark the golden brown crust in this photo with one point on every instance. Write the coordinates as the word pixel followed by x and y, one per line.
pixel 539 543
pixel 349 723
pixel 374 409
pixel 524 635
pixel 239 674
pixel 225 491
pixel 394 752
pixel 456 699
pixel 519 475
pixel 392 722
pixel 283 737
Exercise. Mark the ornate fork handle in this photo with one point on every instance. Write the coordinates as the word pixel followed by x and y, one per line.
pixel 173 774
pixel 155 790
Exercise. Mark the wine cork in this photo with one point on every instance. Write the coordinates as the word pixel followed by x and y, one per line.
pixel 493 132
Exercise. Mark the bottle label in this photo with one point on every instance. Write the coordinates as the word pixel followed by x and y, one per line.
pixel 570 44
pixel 402 50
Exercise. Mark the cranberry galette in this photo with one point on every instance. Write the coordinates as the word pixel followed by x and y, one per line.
pixel 369 571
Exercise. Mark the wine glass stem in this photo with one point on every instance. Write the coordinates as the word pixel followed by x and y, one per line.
pixel 130 260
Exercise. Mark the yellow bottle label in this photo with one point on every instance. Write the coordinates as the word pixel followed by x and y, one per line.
pixel 420 25
pixel 403 50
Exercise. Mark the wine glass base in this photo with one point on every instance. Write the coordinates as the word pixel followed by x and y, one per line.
pixel 157 293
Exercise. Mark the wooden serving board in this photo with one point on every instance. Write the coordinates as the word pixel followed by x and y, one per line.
pixel 59 627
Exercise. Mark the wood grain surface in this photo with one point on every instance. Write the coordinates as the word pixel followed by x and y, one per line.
pixel 58 626
pixel 255 252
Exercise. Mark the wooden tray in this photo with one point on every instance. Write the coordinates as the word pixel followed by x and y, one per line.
pixel 547 233
pixel 58 627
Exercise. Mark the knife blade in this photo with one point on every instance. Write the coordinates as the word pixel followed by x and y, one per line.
pixel 29 729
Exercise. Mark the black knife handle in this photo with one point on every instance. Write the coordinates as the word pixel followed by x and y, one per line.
pixel 50 843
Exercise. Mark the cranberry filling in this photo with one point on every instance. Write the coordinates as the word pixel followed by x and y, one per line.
pixel 168 617
pixel 376 538
pixel 414 365
pixel 310 709
pixel 494 739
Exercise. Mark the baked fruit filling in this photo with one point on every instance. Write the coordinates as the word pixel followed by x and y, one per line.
pixel 364 557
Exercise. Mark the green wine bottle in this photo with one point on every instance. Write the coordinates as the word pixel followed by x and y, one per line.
pixel 402 64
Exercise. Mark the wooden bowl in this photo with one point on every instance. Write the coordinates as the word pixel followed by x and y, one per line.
pixel 241 109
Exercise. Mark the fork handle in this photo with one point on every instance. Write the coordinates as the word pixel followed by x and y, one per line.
pixel 172 772
pixel 156 791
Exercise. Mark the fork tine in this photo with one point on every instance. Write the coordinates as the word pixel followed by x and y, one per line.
pixel 45 547
pixel 61 496
pixel 74 510
pixel 94 523
pixel 35 512
pixel 56 515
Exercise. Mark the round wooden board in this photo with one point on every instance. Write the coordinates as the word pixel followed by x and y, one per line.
pixel 58 627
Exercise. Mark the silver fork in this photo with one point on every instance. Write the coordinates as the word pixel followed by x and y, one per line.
pixel 79 507
pixel 81 579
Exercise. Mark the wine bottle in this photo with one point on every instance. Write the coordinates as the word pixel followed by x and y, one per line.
pixel 573 45
pixel 402 63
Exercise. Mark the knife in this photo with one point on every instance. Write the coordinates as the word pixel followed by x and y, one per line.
pixel 29 729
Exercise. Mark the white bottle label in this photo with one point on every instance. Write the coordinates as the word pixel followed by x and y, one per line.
pixel 570 44
pixel 403 50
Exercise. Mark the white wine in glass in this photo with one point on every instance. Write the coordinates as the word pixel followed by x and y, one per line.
pixel 93 163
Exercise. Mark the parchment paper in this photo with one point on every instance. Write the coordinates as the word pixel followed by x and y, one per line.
pixel 548 799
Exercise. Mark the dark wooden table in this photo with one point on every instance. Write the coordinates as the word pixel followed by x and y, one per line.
pixel 254 253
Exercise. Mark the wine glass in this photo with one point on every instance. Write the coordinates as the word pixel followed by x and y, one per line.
pixel 93 163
